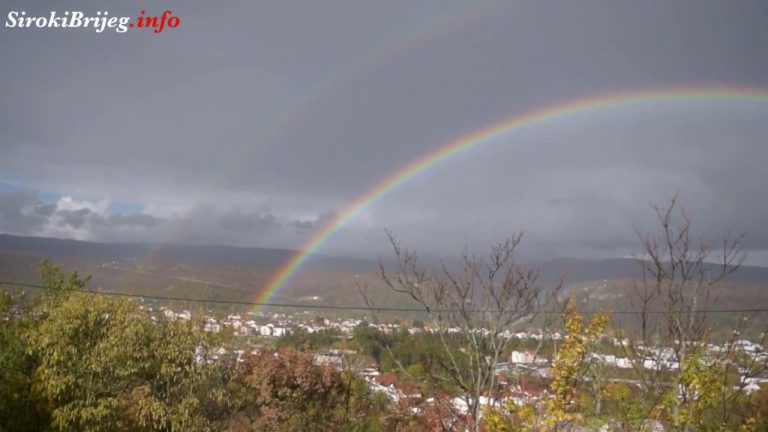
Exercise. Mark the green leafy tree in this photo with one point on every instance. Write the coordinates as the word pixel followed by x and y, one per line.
pixel 19 409
pixel 57 283
pixel 102 363
pixel 88 347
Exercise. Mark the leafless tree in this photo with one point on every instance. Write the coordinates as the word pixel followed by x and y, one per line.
pixel 473 311
pixel 674 297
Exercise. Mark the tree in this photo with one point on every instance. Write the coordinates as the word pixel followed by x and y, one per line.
pixel 20 410
pixel 473 312
pixel 21 407
pixel 570 367
pixel 686 384
pixel 286 391
pixel 56 283
pixel 102 363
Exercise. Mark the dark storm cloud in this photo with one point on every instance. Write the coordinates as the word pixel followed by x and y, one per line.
pixel 227 89
pixel 252 115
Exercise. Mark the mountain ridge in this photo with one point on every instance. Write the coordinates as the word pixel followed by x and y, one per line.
pixel 170 253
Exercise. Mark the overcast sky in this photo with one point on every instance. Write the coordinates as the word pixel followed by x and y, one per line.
pixel 253 122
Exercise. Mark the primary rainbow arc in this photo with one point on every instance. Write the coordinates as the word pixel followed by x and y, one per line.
pixel 485 135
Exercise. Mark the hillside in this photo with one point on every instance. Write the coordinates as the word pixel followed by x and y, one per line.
pixel 239 274
pixel 212 255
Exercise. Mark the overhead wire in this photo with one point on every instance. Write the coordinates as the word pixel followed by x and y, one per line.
pixel 352 307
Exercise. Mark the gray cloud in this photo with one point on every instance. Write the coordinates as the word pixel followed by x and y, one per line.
pixel 138 220
pixel 237 221
pixel 44 210
pixel 73 218
pixel 22 212
pixel 321 219
pixel 134 219
pixel 249 117
pixel 304 224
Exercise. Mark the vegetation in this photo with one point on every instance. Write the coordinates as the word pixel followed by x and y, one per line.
pixel 73 360
pixel 77 361
pixel 290 392
pixel 473 311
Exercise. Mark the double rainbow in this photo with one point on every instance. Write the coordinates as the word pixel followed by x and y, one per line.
pixel 485 135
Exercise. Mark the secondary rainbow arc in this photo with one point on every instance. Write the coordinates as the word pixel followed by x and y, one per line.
pixel 487 134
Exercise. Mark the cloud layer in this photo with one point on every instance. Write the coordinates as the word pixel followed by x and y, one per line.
pixel 253 123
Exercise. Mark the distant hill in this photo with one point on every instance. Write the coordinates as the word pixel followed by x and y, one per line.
pixel 188 271
pixel 240 274
pixel 164 253
pixel 578 271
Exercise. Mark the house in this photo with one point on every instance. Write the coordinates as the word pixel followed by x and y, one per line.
pixel 211 325
pixel 266 330
pixel 327 358
pixel 526 357
pixel 397 390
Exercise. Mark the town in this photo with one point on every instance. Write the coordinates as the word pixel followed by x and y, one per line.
pixel 256 330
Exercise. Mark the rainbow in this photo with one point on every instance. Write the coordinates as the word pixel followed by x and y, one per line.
pixel 487 134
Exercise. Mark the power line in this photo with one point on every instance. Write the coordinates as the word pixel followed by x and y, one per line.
pixel 360 308
pixel 214 301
